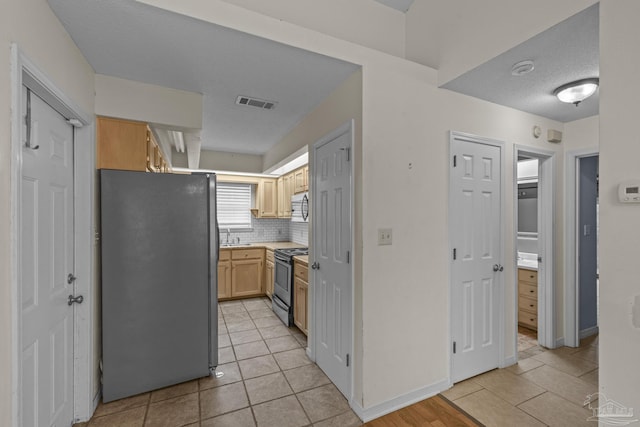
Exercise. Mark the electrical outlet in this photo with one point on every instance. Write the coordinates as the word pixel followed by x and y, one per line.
pixel 385 236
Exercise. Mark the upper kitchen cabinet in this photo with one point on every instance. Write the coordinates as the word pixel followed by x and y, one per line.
pixel 267 198
pixel 301 179
pixel 285 186
pixel 127 145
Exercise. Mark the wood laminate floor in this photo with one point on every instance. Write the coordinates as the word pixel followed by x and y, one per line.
pixel 436 411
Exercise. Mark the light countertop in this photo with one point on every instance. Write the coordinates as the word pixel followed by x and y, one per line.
pixel 266 245
pixel 302 258
pixel 528 261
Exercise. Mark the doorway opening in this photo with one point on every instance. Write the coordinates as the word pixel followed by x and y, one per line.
pixel 581 235
pixel 535 236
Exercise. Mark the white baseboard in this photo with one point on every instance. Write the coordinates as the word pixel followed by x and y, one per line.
pixel 588 332
pixel 399 402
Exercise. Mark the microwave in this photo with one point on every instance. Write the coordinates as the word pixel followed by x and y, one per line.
pixel 300 207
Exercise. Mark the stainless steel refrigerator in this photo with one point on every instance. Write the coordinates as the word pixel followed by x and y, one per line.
pixel 159 252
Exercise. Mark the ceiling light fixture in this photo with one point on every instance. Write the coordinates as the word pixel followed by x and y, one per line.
pixel 521 68
pixel 578 91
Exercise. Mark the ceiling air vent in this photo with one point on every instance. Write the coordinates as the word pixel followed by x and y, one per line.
pixel 255 102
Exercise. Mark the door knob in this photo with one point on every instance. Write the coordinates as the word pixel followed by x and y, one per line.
pixel 71 278
pixel 497 267
pixel 315 266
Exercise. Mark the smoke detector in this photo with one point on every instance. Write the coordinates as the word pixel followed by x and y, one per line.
pixel 256 102
pixel 521 68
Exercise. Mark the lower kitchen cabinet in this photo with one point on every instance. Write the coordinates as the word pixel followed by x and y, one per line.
pixel 301 295
pixel 268 274
pixel 246 273
pixel 224 274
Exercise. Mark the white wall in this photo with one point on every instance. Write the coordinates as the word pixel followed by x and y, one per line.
pixel 619 231
pixel 32 25
pixel 364 22
pixel 222 161
pixel 580 134
pixel 457 36
pixel 131 100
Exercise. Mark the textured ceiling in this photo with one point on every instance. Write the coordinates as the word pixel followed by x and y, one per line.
pixel 134 41
pixel 564 53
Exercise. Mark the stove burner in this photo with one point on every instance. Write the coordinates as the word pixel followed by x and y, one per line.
pixel 293 251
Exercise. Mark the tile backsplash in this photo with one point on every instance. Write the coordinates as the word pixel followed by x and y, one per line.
pixel 270 230
pixel 264 230
pixel 299 232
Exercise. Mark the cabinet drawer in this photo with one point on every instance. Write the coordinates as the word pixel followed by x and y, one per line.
pixel 528 319
pixel 301 271
pixel 528 304
pixel 528 289
pixel 528 275
pixel 270 256
pixel 225 255
pixel 246 253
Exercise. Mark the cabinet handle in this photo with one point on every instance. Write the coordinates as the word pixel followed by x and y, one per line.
pixel 531 320
pixel 531 305
pixel 532 277
pixel 531 291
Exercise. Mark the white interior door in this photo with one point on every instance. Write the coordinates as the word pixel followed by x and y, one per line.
pixel 45 260
pixel 331 252
pixel 476 271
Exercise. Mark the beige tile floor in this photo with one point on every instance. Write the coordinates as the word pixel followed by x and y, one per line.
pixel 545 387
pixel 268 381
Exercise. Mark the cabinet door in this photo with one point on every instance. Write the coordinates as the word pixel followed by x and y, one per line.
pixel 267 197
pixel 269 278
pixel 121 144
pixel 300 290
pixel 280 196
pixel 306 178
pixel 246 277
pixel 288 192
pixel 224 279
pixel 299 181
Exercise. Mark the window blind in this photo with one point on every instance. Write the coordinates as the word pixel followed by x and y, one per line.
pixel 234 202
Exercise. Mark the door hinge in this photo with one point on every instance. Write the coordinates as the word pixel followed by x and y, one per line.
pixel 348 150
pixel 454 347
pixel 455 254
pixel 455 161
pixel 347 359
pixel 348 257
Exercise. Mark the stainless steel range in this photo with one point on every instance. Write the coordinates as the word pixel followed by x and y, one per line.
pixel 283 282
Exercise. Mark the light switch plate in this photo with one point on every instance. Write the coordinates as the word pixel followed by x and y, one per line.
pixel 385 236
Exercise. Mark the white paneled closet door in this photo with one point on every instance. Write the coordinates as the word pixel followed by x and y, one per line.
pixel 46 257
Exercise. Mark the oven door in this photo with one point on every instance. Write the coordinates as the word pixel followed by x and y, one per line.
pixel 282 281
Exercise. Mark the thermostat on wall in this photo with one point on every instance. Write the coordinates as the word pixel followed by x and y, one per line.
pixel 629 192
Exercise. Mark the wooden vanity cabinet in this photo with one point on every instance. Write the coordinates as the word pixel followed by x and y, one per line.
pixel 528 298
